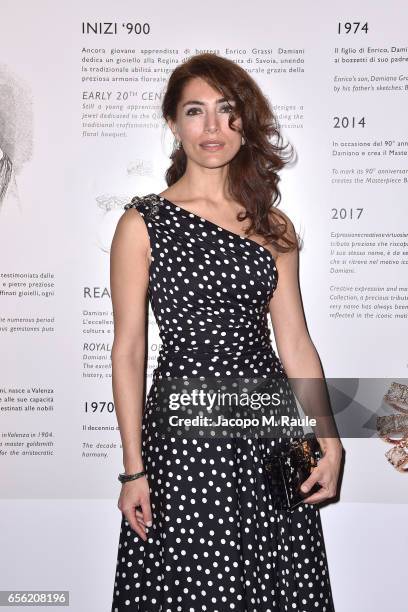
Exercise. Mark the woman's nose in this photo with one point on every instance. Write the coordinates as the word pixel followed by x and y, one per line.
pixel 211 122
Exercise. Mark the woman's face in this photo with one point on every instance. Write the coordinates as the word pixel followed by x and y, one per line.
pixel 202 116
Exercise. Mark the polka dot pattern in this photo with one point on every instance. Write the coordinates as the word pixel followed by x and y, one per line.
pixel 216 543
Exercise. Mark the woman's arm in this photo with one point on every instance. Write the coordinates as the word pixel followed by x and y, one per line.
pixel 295 347
pixel 129 278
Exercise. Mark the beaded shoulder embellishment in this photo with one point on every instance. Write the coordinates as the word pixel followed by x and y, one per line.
pixel 152 201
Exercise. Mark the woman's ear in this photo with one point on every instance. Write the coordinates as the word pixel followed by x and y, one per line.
pixel 173 127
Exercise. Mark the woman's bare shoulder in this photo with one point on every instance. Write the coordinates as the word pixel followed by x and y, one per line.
pixel 282 219
pixel 131 237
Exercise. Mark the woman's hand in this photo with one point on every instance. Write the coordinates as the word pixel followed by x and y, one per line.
pixel 136 493
pixel 326 473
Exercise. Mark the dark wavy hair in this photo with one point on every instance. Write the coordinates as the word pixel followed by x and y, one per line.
pixel 253 173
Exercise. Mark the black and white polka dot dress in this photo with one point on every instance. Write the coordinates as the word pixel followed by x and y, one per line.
pixel 216 543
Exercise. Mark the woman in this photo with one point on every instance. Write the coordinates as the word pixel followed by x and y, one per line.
pixel 198 528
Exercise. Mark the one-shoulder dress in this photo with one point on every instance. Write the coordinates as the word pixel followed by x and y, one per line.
pixel 217 544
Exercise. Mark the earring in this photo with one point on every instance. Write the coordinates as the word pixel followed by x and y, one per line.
pixel 243 141
pixel 178 143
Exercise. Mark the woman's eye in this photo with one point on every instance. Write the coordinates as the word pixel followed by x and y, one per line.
pixel 227 107
pixel 192 109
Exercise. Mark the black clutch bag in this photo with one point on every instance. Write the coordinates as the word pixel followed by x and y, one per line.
pixel 287 471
